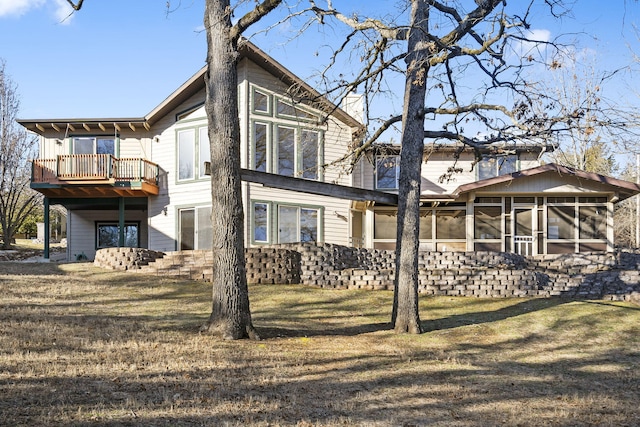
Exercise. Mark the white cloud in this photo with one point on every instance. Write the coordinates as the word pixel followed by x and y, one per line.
pixel 535 42
pixel 62 11
pixel 18 7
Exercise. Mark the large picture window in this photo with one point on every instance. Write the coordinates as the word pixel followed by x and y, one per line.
pixel 108 236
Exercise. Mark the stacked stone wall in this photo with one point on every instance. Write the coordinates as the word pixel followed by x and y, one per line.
pixel 613 276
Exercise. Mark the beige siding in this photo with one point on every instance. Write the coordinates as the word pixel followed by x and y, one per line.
pixel 82 230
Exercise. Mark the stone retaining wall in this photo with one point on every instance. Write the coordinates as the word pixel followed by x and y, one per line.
pixel 613 276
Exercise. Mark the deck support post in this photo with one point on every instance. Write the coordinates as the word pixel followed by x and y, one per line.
pixel 121 222
pixel 47 228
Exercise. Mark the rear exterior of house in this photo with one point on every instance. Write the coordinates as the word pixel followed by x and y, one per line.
pixel 143 182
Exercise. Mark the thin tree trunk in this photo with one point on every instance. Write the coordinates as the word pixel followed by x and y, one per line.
pixel 405 316
pixel 230 315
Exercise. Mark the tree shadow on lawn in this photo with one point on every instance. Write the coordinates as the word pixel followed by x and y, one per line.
pixel 480 317
pixel 450 322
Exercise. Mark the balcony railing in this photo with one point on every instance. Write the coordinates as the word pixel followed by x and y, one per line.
pixel 93 167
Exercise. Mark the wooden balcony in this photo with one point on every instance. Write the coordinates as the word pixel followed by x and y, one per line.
pixel 94 175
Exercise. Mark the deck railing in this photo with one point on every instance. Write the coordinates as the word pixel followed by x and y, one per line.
pixel 93 167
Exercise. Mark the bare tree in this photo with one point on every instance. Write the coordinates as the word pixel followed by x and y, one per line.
pixel 17 199
pixel 466 81
pixel 602 126
pixel 230 315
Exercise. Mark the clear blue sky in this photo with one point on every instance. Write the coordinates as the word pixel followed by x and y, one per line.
pixel 123 57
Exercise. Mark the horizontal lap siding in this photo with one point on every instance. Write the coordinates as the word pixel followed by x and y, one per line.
pixel 336 229
pixel 82 228
pixel 163 223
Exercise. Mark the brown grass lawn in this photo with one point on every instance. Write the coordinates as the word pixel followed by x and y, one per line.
pixel 84 346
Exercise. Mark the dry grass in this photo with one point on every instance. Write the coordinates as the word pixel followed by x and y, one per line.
pixel 83 346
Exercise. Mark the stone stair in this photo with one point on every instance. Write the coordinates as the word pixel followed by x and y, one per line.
pixel 192 265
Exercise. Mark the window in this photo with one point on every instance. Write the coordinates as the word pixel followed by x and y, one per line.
pixel 94 145
pixel 261 222
pixel 286 151
pixel 385 224
pixel 450 224
pixel 490 167
pixel 294 223
pixel 309 146
pixel 260 102
pixel 194 150
pixel 488 222
pixel 286 109
pixel 283 145
pixel 387 172
pixel 297 224
pixel 560 222
pixel 107 235
pixel 593 222
pixel 195 228
pixel 186 154
pixel 260 144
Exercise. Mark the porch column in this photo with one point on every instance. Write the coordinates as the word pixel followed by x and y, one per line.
pixel 121 222
pixel 46 228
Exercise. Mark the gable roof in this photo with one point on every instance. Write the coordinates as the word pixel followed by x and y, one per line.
pixel 625 189
pixel 189 88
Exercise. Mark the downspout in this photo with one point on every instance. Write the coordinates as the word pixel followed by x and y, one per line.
pixel 46 228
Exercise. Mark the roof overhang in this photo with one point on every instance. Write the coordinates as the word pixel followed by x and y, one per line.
pixel 623 189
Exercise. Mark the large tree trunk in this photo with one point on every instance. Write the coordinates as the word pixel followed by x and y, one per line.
pixel 230 315
pixel 405 316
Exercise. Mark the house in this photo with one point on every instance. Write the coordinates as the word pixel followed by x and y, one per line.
pixel 508 201
pixel 142 181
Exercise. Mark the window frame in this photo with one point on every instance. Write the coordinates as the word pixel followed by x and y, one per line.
pixel 198 131
pixel 94 143
pixel 273 217
pixel 498 166
pixel 378 160
pixel 115 224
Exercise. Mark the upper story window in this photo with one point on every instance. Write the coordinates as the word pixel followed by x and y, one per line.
pixel 387 172
pixel 261 102
pixel 493 166
pixel 282 144
pixel 288 110
pixel 94 145
pixel 193 151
